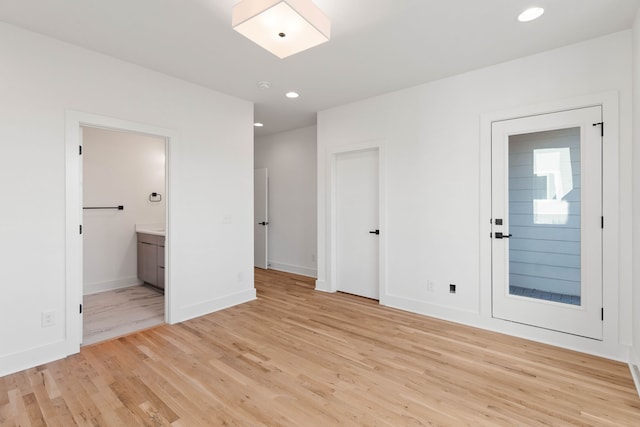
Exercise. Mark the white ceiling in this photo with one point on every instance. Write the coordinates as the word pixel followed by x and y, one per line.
pixel 377 46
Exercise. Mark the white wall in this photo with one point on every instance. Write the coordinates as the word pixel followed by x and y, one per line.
pixel 290 158
pixel 636 189
pixel 119 168
pixel 210 264
pixel 430 136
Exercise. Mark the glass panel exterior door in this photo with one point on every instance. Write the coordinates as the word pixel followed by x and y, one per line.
pixel 544 215
pixel 546 225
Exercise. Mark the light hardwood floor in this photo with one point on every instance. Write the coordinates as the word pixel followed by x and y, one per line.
pixel 122 311
pixel 296 357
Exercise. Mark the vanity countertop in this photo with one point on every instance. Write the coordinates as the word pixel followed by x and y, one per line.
pixel 154 229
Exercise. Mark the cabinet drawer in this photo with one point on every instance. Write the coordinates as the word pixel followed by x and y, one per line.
pixel 147 262
pixel 160 277
pixel 160 257
pixel 151 239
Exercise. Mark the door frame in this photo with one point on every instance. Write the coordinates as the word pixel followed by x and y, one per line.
pixel 582 319
pixel 74 120
pixel 359 162
pixel 332 157
pixel 610 240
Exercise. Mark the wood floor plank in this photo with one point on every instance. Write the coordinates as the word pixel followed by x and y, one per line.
pixel 19 410
pixel 296 357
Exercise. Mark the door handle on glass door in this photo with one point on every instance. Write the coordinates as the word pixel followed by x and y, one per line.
pixel 499 235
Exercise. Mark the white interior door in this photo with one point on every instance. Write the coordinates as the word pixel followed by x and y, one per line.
pixel 357 228
pixel 547 221
pixel 261 218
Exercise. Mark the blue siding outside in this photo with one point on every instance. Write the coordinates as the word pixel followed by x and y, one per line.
pixel 544 250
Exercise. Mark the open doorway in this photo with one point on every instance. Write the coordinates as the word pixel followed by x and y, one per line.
pixel 123 237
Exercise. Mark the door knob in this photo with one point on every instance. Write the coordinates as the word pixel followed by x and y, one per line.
pixel 375 232
pixel 263 223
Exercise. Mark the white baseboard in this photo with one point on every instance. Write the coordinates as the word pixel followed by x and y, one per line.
pixel 110 285
pixel 608 350
pixel 634 367
pixel 321 285
pixel 182 314
pixel 295 269
pixel 37 356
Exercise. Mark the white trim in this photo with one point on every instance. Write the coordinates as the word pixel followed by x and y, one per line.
pixel 610 345
pixel 634 367
pixel 37 356
pixel 469 318
pixel 110 285
pixel 213 305
pixel 332 155
pixel 295 269
pixel 322 286
pixel 73 241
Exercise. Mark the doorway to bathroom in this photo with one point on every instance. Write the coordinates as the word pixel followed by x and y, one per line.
pixel 123 190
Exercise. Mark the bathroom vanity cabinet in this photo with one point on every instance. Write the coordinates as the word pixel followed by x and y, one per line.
pixel 151 259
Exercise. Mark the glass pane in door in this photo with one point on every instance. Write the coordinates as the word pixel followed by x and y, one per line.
pixel 544 215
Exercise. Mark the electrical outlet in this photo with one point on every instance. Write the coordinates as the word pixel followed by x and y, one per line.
pixel 48 318
pixel 431 286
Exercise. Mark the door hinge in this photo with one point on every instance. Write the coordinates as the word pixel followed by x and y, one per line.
pixel 601 124
pixel 80 308
pixel 80 150
pixel 601 222
pixel 80 228
pixel 602 313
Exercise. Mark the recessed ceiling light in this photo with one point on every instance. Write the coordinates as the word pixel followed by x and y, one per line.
pixel 292 95
pixel 258 124
pixel 531 14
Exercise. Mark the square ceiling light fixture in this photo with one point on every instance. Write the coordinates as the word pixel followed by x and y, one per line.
pixel 283 27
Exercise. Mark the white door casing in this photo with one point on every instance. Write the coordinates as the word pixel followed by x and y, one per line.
pixel 74 120
pixel 582 318
pixel 356 222
pixel 81 243
pixel 261 218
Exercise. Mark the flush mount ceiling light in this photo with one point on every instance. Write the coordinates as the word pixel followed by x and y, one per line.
pixel 258 124
pixel 292 95
pixel 283 27
pixel 531 14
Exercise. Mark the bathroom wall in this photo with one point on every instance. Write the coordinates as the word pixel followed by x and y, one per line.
pixel 119 168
